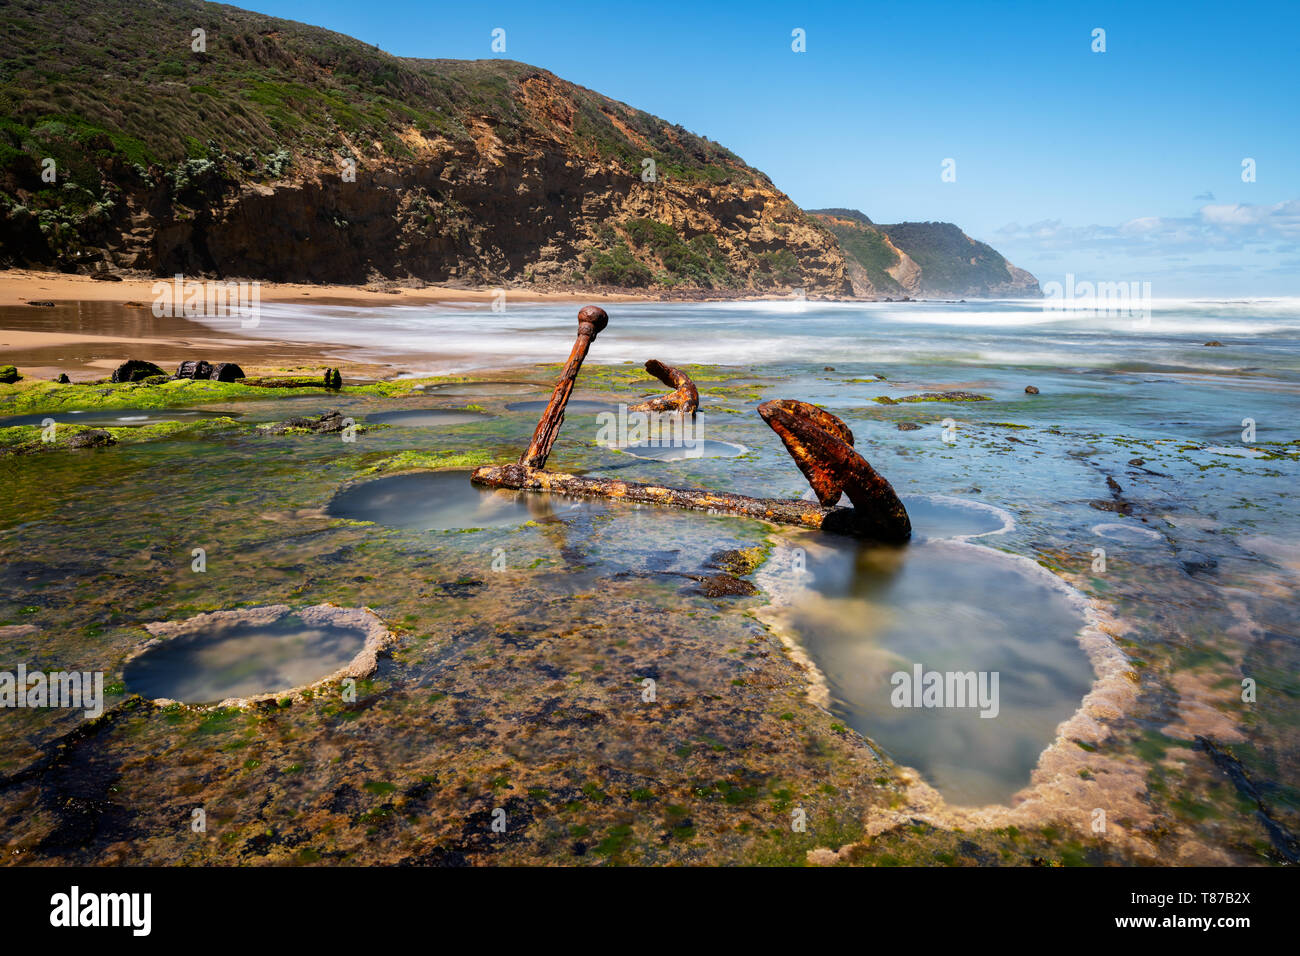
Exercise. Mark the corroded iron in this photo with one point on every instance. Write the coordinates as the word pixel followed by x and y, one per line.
pixel 820 443
pixel 778 413
pixel 591 321
pixel 822 447
pixel 684 398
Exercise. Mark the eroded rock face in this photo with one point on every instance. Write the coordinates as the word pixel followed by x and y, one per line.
pixel 487 213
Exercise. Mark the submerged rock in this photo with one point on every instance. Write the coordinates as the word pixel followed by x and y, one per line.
pixel 1194 561
pixel 935 397
pixel 1214 344
pixel 722 585
pixel 91 438
pixel 908 427
pixel 1031 389
pixel 737 560
pixel 329 423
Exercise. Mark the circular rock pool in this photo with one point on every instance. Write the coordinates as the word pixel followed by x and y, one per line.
pixel 446 501
pixel 243 654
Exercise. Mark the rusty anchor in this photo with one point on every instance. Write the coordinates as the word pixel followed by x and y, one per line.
pixel 819 442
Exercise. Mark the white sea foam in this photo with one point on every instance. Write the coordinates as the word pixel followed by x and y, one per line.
pixel 454 337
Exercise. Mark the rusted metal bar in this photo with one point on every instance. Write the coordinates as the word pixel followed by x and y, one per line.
pixel 684 398
pixel 591 321
pixel 795 511
pixel 822 447
pixel 820 443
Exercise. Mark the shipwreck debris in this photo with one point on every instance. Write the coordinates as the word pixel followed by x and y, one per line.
pixel 684 398
pixel 822 446
pixel 591 322
pixel 820 443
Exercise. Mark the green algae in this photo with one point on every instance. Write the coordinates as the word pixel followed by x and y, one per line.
pixel 39 396
pixel 26 439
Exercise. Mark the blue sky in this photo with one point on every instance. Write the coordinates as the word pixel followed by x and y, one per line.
pixel 1122 165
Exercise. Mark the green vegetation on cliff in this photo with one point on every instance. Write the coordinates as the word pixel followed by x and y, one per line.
pixel 923 258
pixel 271 149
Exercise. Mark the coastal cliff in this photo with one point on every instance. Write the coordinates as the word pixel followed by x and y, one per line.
pixel 286 152
pixel 175 136
pixel 922 259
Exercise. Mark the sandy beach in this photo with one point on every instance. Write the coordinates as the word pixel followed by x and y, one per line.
pixel 94 325
pixel 20 286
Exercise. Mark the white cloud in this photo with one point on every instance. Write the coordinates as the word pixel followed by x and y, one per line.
pixel 1214 227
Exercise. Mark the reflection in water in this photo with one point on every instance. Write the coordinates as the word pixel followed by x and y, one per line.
pixel 938 516
pixel 242 660
pixel 446 501
pixel 418 417
pixel 479 389
pixel 578 406
pixel 117 418
pixel 1130 533
pixel 697 448
pixel 870 612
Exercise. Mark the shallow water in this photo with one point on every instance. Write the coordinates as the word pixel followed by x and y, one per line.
pixel 575 406
pixel 425 417
pixel 481 389
pixel 867 613
pixel 117 418
pixel 700 448
pixel 446 501
pixel 241 660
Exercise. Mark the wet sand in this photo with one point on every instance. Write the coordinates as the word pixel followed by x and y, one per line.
pixel 89 338
pixel 19 286
pixel 94 326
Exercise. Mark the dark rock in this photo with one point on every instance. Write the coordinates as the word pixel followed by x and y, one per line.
pixel 105 277
pixel 63 379
pixel 333 379
pixel 908 427
pixel 1031 389
pixel 723 585
pixel 1195 561
pixel 226 372
pixel 43 304
pixel 935 397
pixel 736 561
pixel 1137 462
pixel 9 374
pixel 1118 507
pixel 329 423
pixel 1214 344
pixel 196 370
pixel 1113 485
pixel 91 438
pixel 135 370
pixel 828 368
